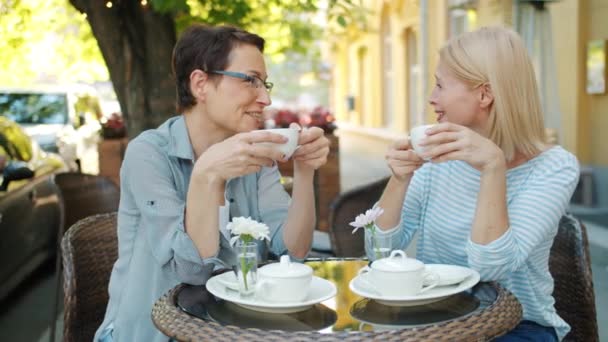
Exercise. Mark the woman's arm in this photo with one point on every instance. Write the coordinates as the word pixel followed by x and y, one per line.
pixel 491 216
pixel 234 157
pixel 533 215
pixel 301 216
pixel 402 161
pixel 150 202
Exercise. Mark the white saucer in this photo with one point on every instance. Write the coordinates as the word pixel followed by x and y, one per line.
pixel 320 290
pixel 358 286
pixel 449 274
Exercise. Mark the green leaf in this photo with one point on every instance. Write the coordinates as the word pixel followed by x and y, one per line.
pixel 341 21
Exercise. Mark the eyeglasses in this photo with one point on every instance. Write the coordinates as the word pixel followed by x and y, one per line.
pixel 254 81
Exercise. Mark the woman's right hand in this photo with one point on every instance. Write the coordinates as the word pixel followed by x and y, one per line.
pixel 238 155
pixel 402 160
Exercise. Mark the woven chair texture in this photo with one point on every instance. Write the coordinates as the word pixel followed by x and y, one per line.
pixel 81 195
pixel 89 249
pixel 491 322
pixel 570 265
pixel 344 209
pixel 84 195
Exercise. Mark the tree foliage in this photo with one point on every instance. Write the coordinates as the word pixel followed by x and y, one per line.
pixel 51 40
pixel 46 41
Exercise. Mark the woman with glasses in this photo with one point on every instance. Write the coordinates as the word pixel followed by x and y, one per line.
pixel 182 182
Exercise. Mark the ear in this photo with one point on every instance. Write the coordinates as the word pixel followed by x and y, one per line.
pixel 486 97
pixel 199 81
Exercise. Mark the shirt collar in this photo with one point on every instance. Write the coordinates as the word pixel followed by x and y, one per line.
pixel 181 146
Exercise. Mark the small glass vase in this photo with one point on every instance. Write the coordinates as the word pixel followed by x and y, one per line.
pixel 247 267
pixel 377 246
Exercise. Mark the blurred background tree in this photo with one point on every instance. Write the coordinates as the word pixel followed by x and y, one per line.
pixel 134 39
pixel 46 41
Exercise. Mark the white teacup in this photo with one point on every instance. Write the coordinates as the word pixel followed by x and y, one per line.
pixel 398 276
pixel 284 281
pixel 290 146
pixel 416 134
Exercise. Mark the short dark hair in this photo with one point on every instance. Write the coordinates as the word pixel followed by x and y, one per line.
pixel 206 48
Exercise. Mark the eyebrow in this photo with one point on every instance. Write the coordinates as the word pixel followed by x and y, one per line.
pixel 257 73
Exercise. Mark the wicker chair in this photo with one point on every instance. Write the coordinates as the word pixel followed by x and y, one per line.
pixel 81 195
pixel 344 209
pixel 570 265
pixel 89 249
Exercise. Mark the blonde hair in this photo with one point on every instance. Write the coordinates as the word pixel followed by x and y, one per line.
pixel 498 57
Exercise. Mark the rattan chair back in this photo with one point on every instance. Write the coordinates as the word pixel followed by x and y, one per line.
pixel 83 195
pixel 570 265
pixel 89 249
pixel 344 209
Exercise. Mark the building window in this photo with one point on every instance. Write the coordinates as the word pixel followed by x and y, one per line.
pixel 462 15
pixel 387 71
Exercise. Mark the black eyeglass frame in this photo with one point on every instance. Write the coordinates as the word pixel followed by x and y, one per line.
pixel 250 78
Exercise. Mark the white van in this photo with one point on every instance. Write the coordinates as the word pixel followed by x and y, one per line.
pixel 64 120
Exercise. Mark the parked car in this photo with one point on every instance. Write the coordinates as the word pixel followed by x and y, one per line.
pixel 63 120
pixel 29 205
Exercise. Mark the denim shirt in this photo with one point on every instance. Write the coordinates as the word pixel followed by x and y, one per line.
pixel 154 251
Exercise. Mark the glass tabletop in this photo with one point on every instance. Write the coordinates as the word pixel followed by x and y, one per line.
pixel 345 312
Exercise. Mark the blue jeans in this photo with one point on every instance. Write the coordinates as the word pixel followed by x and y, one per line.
pixel 529 331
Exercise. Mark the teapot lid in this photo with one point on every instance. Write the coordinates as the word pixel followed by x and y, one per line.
pixel 397 262
pixel 285 269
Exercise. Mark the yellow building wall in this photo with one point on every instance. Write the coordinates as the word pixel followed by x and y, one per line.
pixel 568 19
pixel 598 104
pixel 584 116
pixel 574 23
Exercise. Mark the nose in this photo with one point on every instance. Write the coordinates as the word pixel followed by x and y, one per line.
pixel 264 97
pixel 433 97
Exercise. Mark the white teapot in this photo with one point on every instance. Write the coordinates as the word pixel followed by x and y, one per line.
pixel 398 276
pixel 284 281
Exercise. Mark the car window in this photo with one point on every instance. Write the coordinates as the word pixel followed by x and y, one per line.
pixel 35 108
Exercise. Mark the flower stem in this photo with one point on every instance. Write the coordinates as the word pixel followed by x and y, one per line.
pixel 375 244
pixel 245 270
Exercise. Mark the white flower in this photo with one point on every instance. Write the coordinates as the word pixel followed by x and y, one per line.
pixel 368 219
pixel 241 226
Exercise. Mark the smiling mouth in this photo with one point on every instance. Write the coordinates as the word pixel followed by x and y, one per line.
pixel 440 116
pixel 256 115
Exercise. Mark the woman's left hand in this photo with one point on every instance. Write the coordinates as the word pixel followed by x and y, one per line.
pixel 313 149
pixel 448 141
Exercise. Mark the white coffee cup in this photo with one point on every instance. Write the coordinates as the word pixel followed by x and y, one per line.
pixel 290 146
pixel 398 276
pixel 416 135
pixel 284 281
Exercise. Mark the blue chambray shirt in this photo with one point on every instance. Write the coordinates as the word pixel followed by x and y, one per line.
pixel 155 253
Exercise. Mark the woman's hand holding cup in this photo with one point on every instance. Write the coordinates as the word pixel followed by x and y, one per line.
pixel 313 148
pixel 239 155
pixel 402 160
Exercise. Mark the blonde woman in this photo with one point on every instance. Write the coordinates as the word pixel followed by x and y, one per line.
pixel 493 192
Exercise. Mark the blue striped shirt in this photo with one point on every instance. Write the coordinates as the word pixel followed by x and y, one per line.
pixel 440 205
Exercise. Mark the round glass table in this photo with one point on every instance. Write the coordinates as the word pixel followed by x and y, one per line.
pixel 192 313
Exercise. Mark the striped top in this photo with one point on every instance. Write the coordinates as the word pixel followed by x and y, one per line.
pixel 440 204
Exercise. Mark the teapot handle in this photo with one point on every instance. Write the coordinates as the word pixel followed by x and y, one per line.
pixel 398 251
